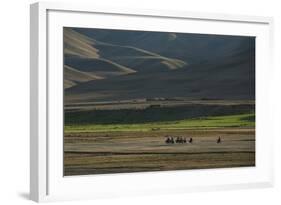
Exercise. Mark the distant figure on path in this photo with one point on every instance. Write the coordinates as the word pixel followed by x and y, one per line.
pixel 219 140
pixel 168 140
pixel 190 140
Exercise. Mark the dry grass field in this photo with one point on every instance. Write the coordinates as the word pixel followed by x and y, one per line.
pixel 116 152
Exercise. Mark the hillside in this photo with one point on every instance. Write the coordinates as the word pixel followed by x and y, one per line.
pixel 191 48
pixel 73 77
pixel 126 65
pixel 103 59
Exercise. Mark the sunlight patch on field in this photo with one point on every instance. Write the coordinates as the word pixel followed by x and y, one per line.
pixel 242 120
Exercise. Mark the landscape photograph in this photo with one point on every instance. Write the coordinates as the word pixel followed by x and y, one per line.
pixel 143 101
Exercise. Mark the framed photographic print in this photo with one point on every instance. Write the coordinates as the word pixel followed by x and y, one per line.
pixel 129 101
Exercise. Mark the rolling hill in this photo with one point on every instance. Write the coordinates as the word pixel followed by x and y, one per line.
pixel 88 55
pixel 188 47
pixel 73 77
pixel 124 65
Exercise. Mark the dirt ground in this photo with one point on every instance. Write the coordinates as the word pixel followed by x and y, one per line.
pixel 118 152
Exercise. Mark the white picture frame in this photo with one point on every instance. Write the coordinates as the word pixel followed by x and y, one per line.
pixel 46 179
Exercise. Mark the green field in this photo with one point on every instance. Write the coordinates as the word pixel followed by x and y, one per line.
pixel 241 120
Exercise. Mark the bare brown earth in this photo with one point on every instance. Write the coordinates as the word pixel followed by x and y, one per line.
pixel 117 152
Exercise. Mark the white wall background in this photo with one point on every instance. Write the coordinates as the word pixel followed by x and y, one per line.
pixel 14 102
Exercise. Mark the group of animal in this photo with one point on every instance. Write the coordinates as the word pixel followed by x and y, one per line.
pixel 183 140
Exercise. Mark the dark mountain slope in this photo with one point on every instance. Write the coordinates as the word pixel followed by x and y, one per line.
pixel 192 48
pixel 219 67
pixel 228 81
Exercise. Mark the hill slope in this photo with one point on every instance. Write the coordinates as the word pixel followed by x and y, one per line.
pixel 137 65
pixel 90 56
pixel 194 83
pixel 73 77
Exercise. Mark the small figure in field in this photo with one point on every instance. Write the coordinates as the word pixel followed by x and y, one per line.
pixel 180 140
pixel 190 140
pixel 219 140
pixel 169 140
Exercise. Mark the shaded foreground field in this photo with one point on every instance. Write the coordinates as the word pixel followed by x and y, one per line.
pixel 135 151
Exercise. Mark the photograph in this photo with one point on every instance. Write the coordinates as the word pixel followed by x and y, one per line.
pixel 146 101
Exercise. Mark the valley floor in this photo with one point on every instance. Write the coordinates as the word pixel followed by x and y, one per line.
pixel 137 151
